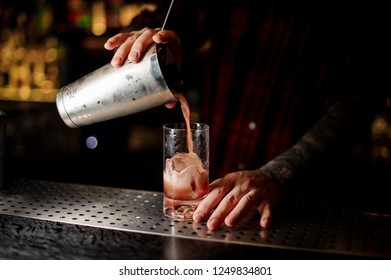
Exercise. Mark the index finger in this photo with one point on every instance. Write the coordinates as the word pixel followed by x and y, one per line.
pixel 217 192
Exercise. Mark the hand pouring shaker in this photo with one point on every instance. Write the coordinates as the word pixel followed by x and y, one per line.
pixel 110 92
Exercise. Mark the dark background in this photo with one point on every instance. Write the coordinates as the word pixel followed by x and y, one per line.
pixel 129 154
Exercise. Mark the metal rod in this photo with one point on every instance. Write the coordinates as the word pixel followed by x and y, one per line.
pixel 168 12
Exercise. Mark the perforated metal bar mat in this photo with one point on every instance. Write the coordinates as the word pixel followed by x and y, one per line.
pixel 330 231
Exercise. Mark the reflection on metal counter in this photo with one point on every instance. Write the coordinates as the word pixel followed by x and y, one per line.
pixel 333 231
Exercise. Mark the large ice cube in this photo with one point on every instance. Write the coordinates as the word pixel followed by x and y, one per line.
pixel 185 177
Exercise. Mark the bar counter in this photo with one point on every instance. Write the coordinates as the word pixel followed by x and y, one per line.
pixel 55 220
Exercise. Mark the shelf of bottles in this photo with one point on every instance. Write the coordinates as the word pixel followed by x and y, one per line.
pixel 31 50
pixel 28 65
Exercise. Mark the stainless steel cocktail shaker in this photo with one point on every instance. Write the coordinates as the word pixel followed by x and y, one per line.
pixel 111 92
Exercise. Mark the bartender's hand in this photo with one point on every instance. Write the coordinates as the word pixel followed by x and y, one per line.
pixel 236 195
pixel 132 46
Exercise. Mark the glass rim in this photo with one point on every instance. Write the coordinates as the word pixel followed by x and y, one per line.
pixel 182 126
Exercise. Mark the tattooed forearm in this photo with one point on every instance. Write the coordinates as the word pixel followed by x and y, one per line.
pixel 314 146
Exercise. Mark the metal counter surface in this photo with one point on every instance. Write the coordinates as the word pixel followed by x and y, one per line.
pixel 53 220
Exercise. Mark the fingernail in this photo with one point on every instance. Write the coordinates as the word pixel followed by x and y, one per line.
pixel 212 224
pixel 265 222
pixel 198 217
pixel 108 43
pixel 116 60
pixel 134 55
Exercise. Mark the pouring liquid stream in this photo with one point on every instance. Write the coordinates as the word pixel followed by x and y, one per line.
pixel 184 104
pixel 186 114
